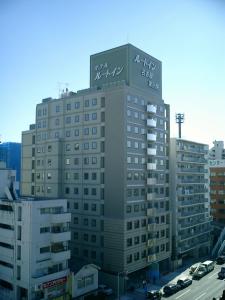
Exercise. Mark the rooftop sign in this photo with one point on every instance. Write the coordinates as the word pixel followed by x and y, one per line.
pixel 127 63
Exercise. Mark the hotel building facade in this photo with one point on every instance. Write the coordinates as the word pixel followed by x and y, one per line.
pixel 106 150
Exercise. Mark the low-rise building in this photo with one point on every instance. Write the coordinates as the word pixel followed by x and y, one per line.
pixel 34 253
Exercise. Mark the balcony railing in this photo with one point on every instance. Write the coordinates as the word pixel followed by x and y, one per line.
pixel 151 181
pixel 151 137
pixel 151 151
pixel 151 166
pixel 151 108
pixel 151 123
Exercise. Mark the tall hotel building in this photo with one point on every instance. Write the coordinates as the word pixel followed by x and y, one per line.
pixel 190 199
pixel 106 150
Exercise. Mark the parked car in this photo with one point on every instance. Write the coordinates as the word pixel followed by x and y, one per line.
pixel 200 272
pixel 104 289
pixel 193 268
pixel 220 259
pixel 221 274
pixel 184 282
pixel 171 288
pixel 154 295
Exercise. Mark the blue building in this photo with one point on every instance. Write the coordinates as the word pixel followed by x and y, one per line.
pixel 10 153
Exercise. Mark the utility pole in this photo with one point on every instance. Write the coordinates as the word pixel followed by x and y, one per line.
pixel 179 121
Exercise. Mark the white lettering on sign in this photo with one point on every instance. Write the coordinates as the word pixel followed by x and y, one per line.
pixel 102 70
pixel 149 72
pixel 217 163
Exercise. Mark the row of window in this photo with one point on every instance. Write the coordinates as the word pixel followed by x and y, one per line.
pixel 68 161
pixel 86 191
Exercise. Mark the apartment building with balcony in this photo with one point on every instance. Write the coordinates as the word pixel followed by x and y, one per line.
pixel 217 151
pixel 34 253
pixel 106 150
pixel 189 199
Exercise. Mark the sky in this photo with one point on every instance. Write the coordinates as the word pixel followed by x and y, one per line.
pixel 46 44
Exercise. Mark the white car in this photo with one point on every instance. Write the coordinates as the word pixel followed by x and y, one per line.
pixel 103 289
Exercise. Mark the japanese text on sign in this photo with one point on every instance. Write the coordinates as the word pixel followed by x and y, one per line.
pixel 103 71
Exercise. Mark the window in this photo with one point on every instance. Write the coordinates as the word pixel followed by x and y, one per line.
pixel 129 258
pixel 68 120
pixel 94 116
pixel 67 190
pixel 44 229
pixel 129 242
pixel 94 145
pixel 86 103
pixel 68 147
pixel 76 191
pixel 128 144
pixel 129 225
pixel 93 207
pixel 136 224
pixel 85 206
pixel 68 106
pixel 86 146
pixel 136 256
pixel 67 161
pixel 86 160
pixel 94 102
pixel 56 122
pixel 85 222
pixel 94 130
pixel 94 160
pixel 86 176
pixel 136 240
pixel 67 133
pixel 93 192
pixel 77 105
pixel 57 108
pixel 76 161
pixel 128 209
pixel 93 238
pixel 93 223
pixel 86 131
pixel 76 132
pixel 75 235
pixel 94 176
pixel 75 220
pixel 76 205
pixel 85 237
pixel 76 146
pixel 77 119
pixel 86 191
pixel 86 117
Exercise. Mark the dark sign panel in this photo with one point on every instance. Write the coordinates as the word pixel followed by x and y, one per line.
pixel 129 64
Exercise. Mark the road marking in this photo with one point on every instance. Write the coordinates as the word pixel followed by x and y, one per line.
pixel 183 294
pixel 200 296
pixel 212 275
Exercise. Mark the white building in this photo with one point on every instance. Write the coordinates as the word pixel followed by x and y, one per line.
pixel 34 254
pixel 189 198
pixel 217 151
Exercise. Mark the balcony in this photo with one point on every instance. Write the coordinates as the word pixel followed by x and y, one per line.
pixel 150 243
pixel 151 108
pixel 151 227
pixel 151 137
pixel 151 151
pixel 150 211
pixel 151 181
pixel 7 235
pixel 6 273
pixel 151 123
pixel 150 196
pixel 151 166
pixel 60 256
pixel 61 218
pixel 151 258
pixel 60 236
pixel 6 255
pixel 7 217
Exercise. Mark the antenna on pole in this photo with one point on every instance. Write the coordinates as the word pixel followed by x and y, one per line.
pixel 61 87
pixel 179 121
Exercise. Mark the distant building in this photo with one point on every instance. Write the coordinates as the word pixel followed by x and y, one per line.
pixel 217 151
pixel 10 153
pixel 34 254
pixel 106 149
pixel 190 198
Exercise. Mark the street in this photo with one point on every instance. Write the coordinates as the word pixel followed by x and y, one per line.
pixel 204 289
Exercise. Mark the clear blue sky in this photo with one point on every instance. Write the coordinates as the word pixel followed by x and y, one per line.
pixel 44 42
